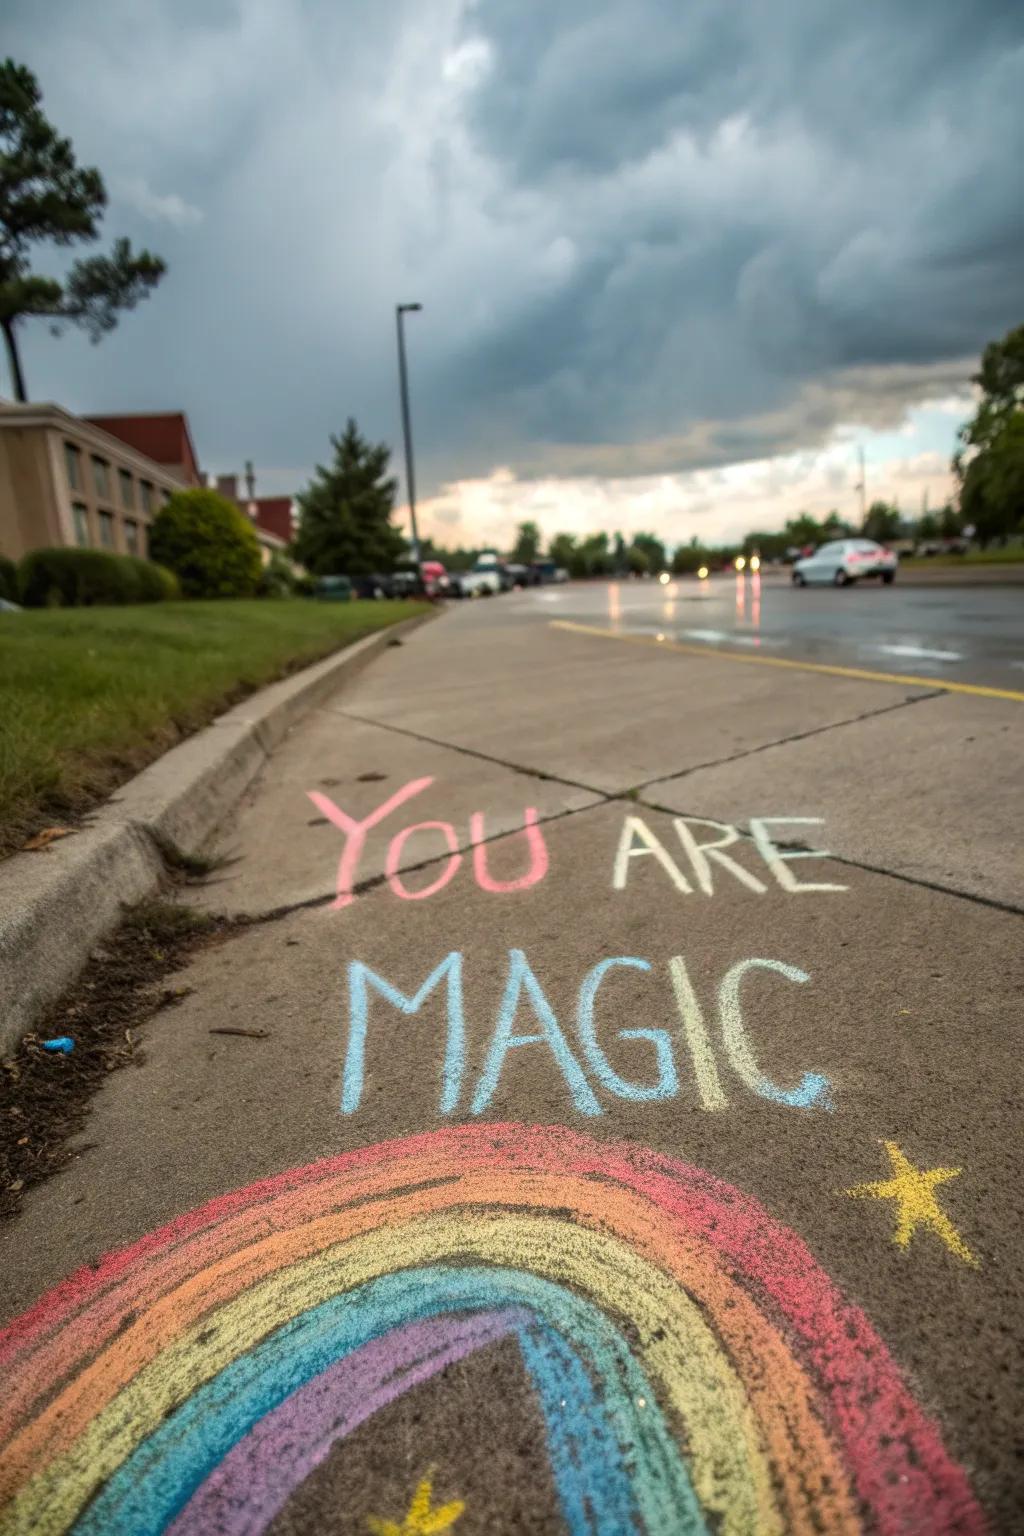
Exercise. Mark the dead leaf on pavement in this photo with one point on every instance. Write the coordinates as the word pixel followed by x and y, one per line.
pixel 43 839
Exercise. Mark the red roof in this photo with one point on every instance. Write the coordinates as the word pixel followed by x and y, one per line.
pixel 274 514
pixel 163 437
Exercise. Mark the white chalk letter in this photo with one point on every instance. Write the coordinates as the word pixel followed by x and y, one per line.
pixel 775 857
pixel 700 854
pixel 636 842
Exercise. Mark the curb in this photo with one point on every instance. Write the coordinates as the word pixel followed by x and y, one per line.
pixel 56 907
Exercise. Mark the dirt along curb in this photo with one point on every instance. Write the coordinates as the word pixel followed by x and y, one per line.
pixel 56 906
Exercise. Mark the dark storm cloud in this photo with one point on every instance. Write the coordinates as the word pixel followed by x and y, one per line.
pixel 758 195
pixel 647 235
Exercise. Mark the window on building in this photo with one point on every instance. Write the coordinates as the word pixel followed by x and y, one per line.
pixel 107 530
pixel 165 497
pixel 131 535
pixel 127 488
pixel 147 495
pixel 73 460
pixel 101 478
pixel 81 519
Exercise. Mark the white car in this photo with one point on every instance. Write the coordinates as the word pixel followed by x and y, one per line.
pixel 483 580
pixel 844 561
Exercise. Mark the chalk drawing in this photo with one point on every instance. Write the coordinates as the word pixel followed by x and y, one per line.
pixel 520 979
pixel 355 831
pixel 695 1032
pixel 667 1084
pixel 534 841
pixel 637 841
pixel 913 1189
pixel 812 1089
pixel 701 854
pixel 777 860
pixel 394 859
pixel 355 844
pixel 523 987
pixel 360 979
pixel 694 1367
pixel 421 1520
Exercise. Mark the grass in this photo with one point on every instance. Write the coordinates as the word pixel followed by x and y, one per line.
pixel 88 696
pixel 1010 554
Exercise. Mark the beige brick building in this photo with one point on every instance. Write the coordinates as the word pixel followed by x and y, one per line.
pixel 68 481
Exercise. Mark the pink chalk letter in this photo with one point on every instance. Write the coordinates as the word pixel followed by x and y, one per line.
pixel 355 832
pixel 538 854
pixel 395 855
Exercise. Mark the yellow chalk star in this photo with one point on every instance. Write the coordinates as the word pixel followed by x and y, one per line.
pixel 914 1188
pixel 421 1519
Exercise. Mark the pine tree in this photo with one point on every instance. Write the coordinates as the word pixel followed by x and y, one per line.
pixel 345 526
pixel 45 195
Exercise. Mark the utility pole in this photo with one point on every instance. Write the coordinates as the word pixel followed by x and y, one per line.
pixel 250 479
pixel 862 487
pixel 410 481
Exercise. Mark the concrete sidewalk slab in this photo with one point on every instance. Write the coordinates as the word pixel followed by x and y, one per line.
pixel 596 714
pixel 922 792
pixel 892 1014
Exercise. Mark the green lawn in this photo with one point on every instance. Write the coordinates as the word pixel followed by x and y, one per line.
pixel 88 696
pixel 1010 554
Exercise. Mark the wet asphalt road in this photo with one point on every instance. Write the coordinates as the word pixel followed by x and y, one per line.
pixel 969 635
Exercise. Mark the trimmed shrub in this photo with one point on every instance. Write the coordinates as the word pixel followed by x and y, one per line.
pixel 8 579
pixel 84 578
pixel 156 583
pixel 208 544
pixel 277 579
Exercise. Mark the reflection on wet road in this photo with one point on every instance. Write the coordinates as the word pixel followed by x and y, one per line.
pixel 972 635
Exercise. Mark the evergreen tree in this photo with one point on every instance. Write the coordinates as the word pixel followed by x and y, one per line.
pixel 345 526
pixel 45 195
pixel 527 546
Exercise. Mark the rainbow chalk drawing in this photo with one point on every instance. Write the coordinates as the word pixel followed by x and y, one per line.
pixel 695 1368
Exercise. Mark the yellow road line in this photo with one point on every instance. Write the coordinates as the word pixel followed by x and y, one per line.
pixel 946 684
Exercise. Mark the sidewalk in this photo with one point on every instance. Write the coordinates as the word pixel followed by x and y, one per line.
pixel 766 1260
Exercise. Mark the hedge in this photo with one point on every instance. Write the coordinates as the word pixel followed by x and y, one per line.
pixel 82 578
pixel 208 543
pixel 8 579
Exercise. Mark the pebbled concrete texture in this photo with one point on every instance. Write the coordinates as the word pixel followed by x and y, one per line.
pixel 910 1011
pixel 923 791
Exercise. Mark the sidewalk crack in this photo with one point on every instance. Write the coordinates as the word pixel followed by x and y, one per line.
pixel 485 757
pixel 785 741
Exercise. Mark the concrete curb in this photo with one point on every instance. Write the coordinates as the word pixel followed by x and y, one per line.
pixel 56 906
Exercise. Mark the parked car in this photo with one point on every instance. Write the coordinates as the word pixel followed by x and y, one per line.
pixel 376 584
pixel 844 561
pixel 332 589
pixel 435 578
pixel 482 581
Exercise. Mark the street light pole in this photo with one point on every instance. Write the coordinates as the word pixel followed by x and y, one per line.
pixel 410 481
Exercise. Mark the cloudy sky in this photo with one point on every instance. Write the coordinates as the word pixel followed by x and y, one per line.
pixel 677 260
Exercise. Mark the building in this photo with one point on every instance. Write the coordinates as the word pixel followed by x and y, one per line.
pixel 163 436
pixel 273 515
pixel 70 480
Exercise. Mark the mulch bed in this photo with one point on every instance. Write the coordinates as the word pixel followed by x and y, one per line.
pixel 44 1097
